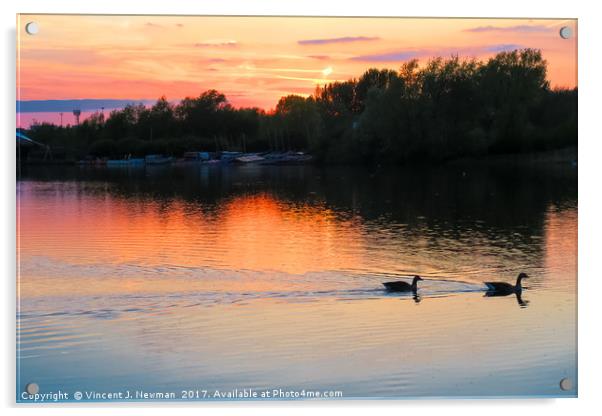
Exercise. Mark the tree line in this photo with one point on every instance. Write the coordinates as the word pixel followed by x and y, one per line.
pixel 446 109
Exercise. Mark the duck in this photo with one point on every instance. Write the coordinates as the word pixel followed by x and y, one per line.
pixel 503 288
pixel 399 286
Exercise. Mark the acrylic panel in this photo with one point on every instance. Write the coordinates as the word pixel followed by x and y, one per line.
pixel 295 208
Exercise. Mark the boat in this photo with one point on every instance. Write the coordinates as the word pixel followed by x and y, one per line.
pixel 92 162
pixel 286 158
pixel 157 160
pixel 196 157
pixel 125 162
pixel 252 158
pixel 227 157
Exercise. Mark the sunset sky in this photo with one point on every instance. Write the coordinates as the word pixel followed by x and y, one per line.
pixel 253 60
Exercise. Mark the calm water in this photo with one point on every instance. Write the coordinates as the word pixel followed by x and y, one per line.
pixel 222 278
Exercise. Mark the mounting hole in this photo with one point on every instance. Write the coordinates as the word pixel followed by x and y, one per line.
pixel 566 384
pixel 32 388
pixel 32 28
pixel 566 32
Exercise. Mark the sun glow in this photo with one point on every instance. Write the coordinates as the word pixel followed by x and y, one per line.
pixel 327 71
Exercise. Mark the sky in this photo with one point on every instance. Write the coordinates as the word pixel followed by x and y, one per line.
pixel 253 60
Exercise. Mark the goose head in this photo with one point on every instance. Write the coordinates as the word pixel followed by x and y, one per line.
pixel 415 281
pixel 522 276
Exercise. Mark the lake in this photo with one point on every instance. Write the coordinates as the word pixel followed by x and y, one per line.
pixel 222 278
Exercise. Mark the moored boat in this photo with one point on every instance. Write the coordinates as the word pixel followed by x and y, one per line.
pixel 157 160
pixel 125 162
pixel 252 158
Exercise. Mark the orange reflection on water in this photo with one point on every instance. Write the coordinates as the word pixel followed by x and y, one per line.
pixel 561 244
pixel 262 233
pixel 247 233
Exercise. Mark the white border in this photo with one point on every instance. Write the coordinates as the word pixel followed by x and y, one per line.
pixel 590 150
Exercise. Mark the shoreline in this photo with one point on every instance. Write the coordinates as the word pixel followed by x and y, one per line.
pixel 568 155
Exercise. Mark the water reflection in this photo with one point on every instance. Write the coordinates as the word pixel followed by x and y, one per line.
pixel 220 264
pixel 495 212
pixel 519 297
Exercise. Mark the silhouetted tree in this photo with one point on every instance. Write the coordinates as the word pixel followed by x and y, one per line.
pixel 445 109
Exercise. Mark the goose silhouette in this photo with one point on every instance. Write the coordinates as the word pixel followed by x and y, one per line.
pixel 503 288
pixel 400 286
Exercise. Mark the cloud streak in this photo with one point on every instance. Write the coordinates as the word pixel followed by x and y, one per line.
pixel 216 43
pixel 405 55
pixel 389 56
pixel 515 29
pixel 344 39
pixel 503 47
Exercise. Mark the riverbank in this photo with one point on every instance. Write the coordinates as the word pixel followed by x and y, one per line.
pixel 566 156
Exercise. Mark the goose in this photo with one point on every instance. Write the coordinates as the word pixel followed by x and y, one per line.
pixel 400 286
pixel 503 288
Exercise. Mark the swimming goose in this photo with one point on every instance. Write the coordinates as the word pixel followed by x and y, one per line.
pixel 400 286
pixel 501 288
